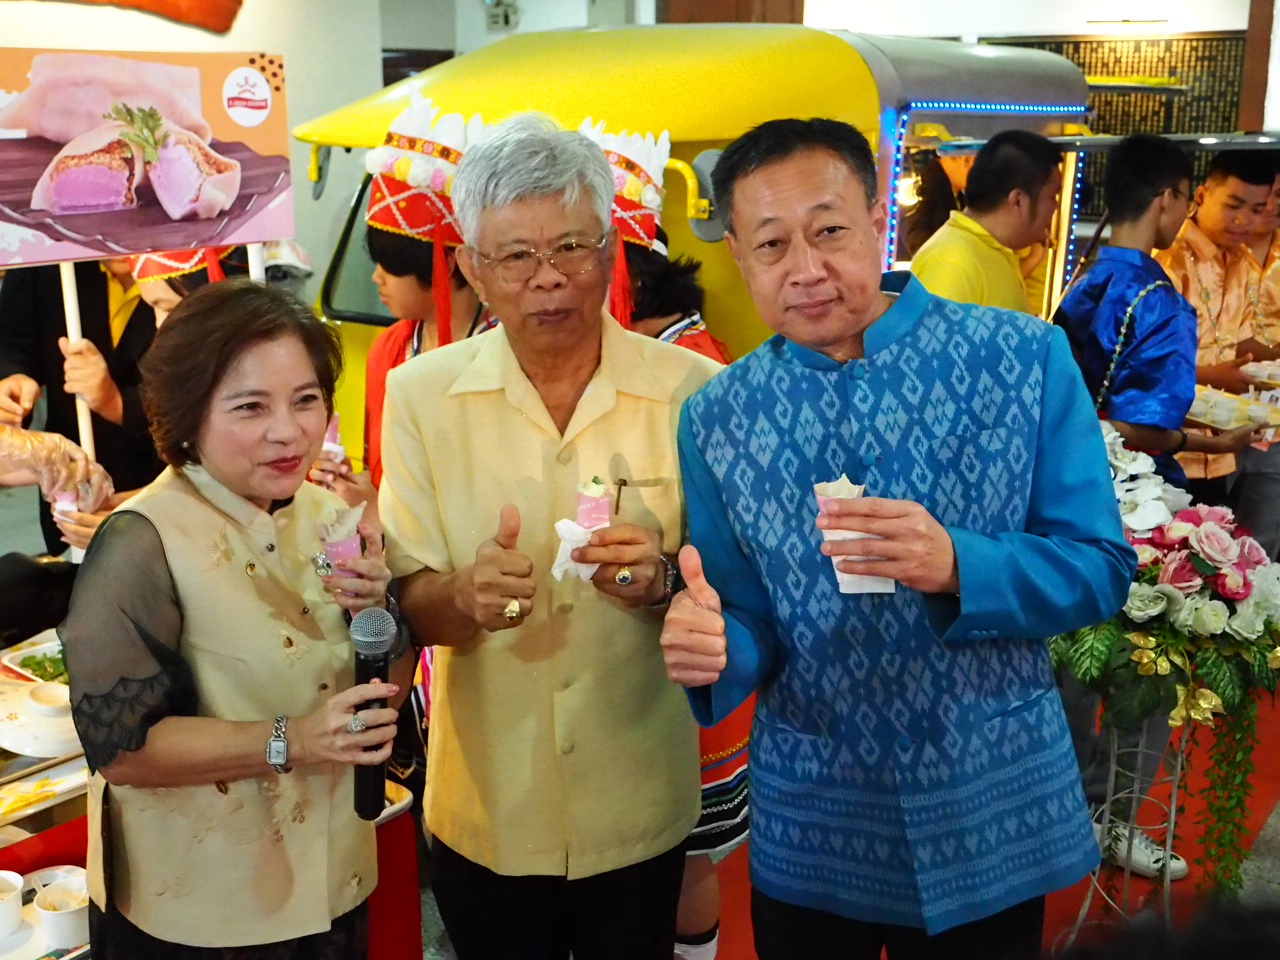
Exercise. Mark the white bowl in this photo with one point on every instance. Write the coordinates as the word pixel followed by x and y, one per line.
pixel 64 925
pixel 35 721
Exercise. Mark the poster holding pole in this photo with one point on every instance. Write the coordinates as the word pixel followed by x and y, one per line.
pixel 257 263
pixel 71 306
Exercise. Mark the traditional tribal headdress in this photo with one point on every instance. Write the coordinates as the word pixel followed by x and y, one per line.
pixel 412 181
pixel 177 263
pixel 638 162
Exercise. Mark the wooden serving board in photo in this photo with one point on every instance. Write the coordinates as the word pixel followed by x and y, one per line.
pixel 146 226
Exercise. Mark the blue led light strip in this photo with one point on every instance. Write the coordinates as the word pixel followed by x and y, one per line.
pixel 895 173
pixel 997 107
pixel 891 246
pixel 1071 267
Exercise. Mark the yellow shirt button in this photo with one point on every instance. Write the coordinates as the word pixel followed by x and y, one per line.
pixel 566 748
pixel 565 607
pixel 566 457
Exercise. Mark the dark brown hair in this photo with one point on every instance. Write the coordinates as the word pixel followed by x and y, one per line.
pixel 203 336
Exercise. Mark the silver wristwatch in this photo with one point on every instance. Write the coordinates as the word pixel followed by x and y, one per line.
pixel 278 746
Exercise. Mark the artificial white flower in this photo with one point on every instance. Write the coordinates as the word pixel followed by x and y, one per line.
pixel 1174 599
pixel 1210 619
pixel 1145 602
pixel 1248 622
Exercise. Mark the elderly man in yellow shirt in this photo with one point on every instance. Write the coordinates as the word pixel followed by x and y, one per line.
pixel 1010 199
pixel 562 768
pixel 1211 266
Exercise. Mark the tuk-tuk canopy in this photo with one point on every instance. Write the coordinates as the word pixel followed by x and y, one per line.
pixel 711 82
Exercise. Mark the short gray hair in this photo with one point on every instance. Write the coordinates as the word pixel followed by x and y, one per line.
pixel 528 155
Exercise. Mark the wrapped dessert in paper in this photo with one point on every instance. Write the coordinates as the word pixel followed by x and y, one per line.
pixel 70 92
pixel 340 538
pixel 845 489
pixel 593 513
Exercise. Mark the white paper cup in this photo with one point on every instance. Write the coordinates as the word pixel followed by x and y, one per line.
pixel 10 902
pixel 1259 412
pixel 1199 408
pixel 1222 414
pixel 853 582
pixel 64 926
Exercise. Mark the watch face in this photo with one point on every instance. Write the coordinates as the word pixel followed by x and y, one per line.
pixel 277 751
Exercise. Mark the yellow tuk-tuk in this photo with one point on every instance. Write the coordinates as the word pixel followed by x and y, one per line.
pixel 706 84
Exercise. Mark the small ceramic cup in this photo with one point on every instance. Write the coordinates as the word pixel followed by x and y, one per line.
pixel 1222 413
pixel 63 908
pixel 10 902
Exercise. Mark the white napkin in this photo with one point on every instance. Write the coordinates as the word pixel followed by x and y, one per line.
pixel 572 536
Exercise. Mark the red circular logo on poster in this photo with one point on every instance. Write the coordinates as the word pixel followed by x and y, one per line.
pixel 247 96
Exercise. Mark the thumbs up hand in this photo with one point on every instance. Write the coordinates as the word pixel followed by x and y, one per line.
pixel 501 574
pixel 693 641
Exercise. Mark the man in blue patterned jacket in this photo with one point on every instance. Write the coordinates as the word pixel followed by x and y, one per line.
pixel 913 783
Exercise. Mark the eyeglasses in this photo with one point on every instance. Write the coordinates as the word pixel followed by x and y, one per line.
pixel 569 257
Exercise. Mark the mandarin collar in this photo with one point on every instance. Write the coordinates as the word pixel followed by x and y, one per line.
pixel 909 302
pixel 232 505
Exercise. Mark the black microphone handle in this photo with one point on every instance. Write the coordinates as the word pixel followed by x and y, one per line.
pixel 371 781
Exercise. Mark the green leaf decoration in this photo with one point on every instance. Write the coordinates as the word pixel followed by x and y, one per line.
pixel 1220 676
pixel 142 128
pixel 1060 647
pixel 1203 566
pixel 1091 650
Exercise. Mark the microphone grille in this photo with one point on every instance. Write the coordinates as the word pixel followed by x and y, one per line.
pixel 373 631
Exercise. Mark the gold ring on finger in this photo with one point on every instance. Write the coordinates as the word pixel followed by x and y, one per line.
pixel 623 577
pixel 512 610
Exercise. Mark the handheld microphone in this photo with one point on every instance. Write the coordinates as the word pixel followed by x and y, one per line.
pixel 373 633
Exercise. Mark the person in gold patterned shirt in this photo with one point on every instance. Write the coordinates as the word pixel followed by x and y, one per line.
pixel 1257 490
pixel 1211 266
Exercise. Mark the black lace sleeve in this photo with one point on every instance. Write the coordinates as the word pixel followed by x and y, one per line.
pixel 121 641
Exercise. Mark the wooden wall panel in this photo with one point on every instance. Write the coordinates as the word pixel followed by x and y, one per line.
pixel 730 11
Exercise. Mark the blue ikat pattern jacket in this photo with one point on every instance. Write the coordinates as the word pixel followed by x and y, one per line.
pixel 910 760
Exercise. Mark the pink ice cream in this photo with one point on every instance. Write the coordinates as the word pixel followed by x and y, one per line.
pixel 94 173
pixel 190 179
pixel 593 504
pixel 333 440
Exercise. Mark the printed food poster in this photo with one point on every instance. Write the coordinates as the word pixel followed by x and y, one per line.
pixel 106 154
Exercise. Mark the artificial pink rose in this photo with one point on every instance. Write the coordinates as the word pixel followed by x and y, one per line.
pixel 1147 554
pixel 1180 573
pixel 1174 533
pixel 1251 554
pixel 1219 515
pixel 1232 582
pixel 1190 515
pixel 1214 544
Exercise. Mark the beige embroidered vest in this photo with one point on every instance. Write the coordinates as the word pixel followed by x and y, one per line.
pixel 268 858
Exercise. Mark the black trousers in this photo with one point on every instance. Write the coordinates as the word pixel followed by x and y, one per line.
pixel 626 914
pixel 784 931
pixel 1215 492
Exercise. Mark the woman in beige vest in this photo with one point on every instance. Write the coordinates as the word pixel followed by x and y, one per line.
pixel 212 667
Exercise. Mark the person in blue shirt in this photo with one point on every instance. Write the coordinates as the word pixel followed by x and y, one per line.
pixel 1134 336
pixel 1131 331
pixel 913 782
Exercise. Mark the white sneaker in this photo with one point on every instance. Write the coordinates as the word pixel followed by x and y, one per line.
pixel 1147 856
